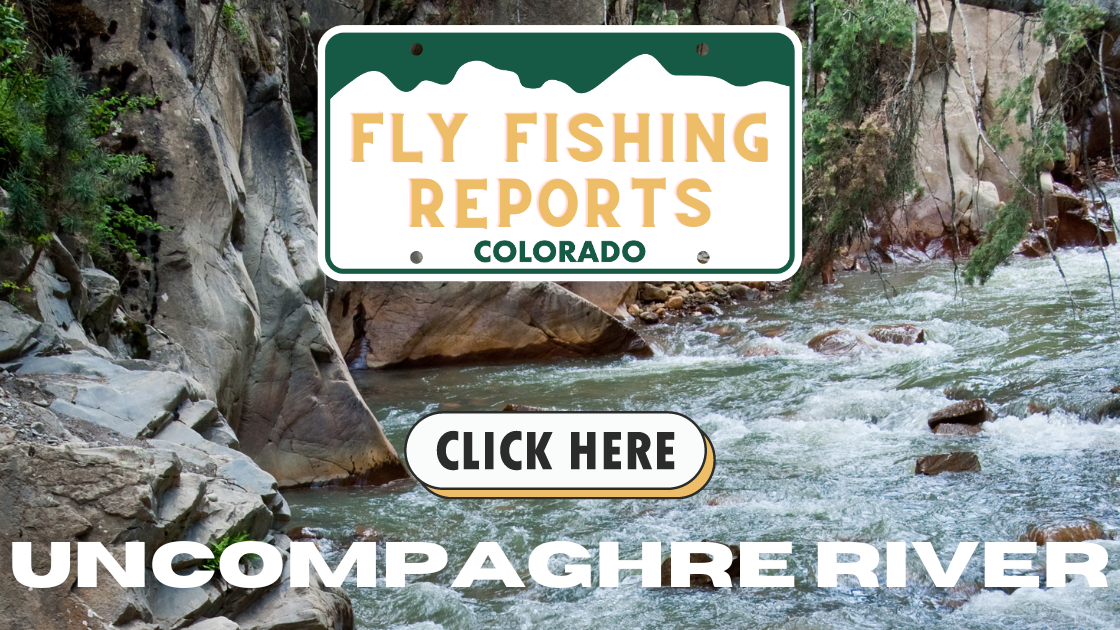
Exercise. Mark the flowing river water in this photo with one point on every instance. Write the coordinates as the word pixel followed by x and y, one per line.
pixel 809 448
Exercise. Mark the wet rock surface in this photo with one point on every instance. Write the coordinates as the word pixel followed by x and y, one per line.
pixel 839 343
pixel 1069 532
pixel 933 465
pixel 904 334
pixel 702 581
pixel 970 413
pixel 657 302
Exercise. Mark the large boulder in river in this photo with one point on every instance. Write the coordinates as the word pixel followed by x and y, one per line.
pixel 430 323
pixel 963 418
pixel 933 465
pixel 1071 532
pixel 234 277
pixel 904 334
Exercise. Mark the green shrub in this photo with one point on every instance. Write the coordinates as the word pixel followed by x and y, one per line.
pixel 55 162
pixel 219 547
pixel 304 128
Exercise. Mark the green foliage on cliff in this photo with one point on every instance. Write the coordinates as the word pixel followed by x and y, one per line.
pixel 304 128
pixel 1066 26
pixel 220 546
pixel 653 13
pixel 55 160
pixel 233 23
pixel 858 125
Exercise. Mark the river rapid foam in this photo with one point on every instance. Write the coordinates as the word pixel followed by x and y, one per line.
pixel 809 448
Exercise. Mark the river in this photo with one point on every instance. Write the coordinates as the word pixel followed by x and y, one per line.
pixel 809 448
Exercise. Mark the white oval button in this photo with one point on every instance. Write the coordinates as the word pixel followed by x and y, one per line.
pixel 560 454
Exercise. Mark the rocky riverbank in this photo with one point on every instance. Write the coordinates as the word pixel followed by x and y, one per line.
pixel 93 452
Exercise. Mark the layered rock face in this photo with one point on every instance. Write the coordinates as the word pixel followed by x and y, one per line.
pixel 234 280
pixel 431 323
pixel 93 452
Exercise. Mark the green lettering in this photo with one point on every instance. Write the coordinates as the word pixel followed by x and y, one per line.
pixel 626 251
pixel 551 251
pixel 588 251
pixel 498 251
pixel 478 251
pixel 609 256
pixel 567 248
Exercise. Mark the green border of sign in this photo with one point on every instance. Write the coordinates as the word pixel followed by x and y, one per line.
pixel 582 57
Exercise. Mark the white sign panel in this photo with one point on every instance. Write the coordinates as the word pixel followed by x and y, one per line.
pixel 650 171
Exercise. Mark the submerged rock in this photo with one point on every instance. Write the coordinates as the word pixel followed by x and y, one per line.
pixel 1073 532
pixel 970 413
pixel 1108 409
pixel 721 330
pixel 761 351
pixel 904 334
pixel 933 465
pixel 367 534
pixel 699 581
pixel 838 343
pixel 517 407
pixel 305 533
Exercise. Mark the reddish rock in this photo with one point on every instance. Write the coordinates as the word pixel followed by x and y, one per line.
pixel 905 334
pixel 702 580
pixel 517 407
pixel 969 412
pixel 933 465
pixel 1074 225
pixel 1079 228
pixel 959 595
pixel 305 533
pixel 838 343
pixel 1073 532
